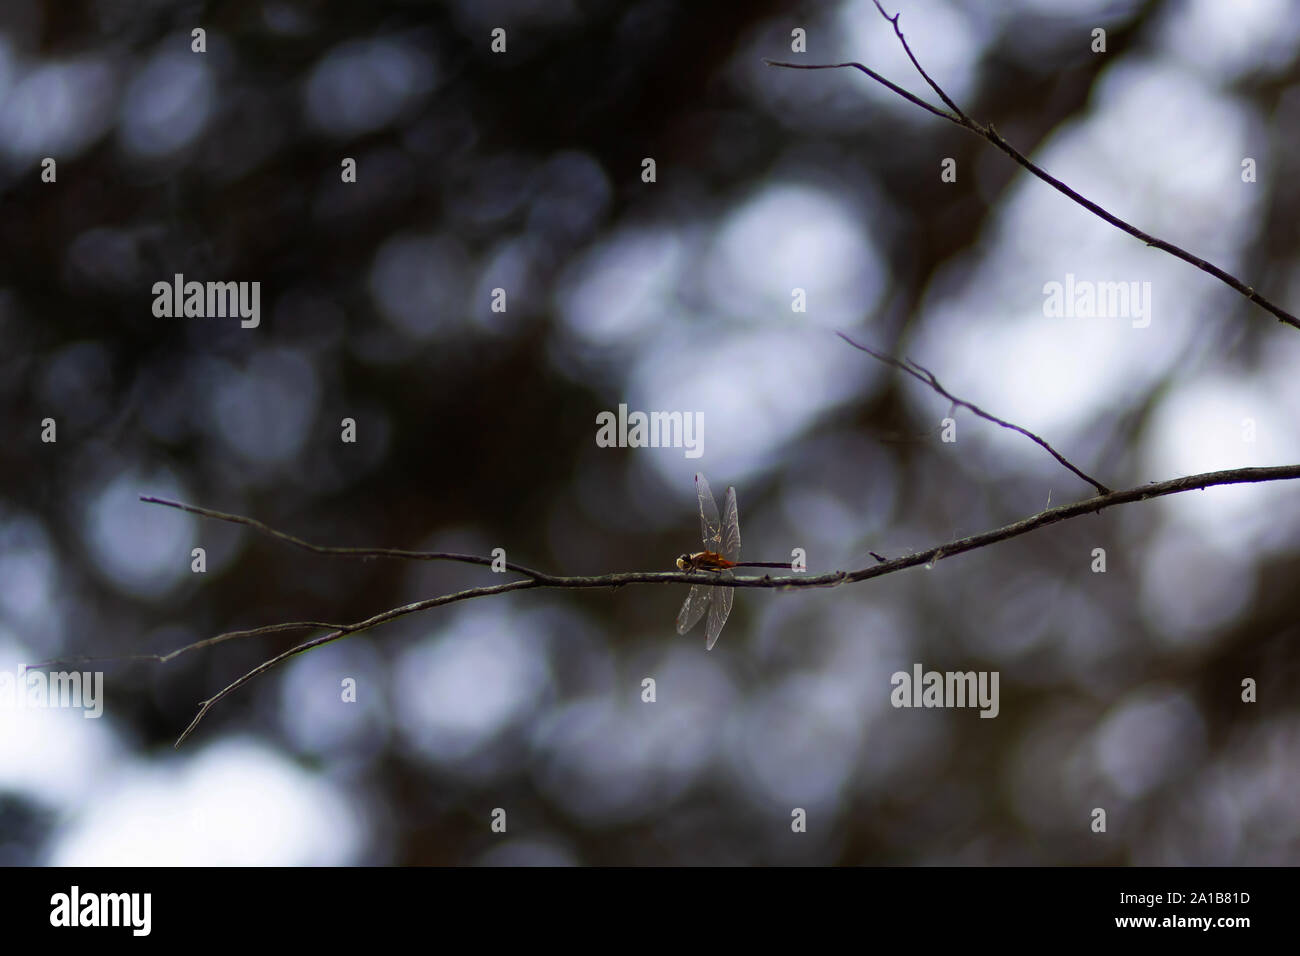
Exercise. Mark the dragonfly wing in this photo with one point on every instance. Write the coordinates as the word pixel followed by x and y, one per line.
pixel 719 611
pixel 693 607
pixel 731 529
pixel 710 524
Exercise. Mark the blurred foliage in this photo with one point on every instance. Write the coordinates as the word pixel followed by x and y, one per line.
pixel 483 437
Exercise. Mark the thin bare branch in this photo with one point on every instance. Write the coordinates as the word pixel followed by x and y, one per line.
pixel 989 133
pixel 919 69
pixel 910 97
pixel 381 618
pixel 923 374
pixel 197 645
pixel 397 553
pixel 786 583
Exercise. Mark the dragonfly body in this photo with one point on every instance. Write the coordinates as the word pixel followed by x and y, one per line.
pixel 704 561
pixel 721 551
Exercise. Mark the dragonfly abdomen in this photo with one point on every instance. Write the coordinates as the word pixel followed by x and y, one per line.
pixel 704 561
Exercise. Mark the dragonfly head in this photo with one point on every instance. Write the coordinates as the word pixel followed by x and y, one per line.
pixel 684 563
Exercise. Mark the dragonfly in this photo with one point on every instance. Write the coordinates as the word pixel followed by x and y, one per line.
pixel 721 553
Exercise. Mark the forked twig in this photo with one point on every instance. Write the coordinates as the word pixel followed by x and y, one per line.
pixel 538 579
pixel 923 374
pixel 990 134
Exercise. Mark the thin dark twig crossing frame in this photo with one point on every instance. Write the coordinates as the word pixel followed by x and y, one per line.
pixel 539 579
pixel 923 374
pixel 989 133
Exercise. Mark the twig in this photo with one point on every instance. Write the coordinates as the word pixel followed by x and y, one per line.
pixel 923 374
pixel 197 645
pixel 381 618
pixel 990 134
pixel 538 579
pixel 397 553
pixel 919 69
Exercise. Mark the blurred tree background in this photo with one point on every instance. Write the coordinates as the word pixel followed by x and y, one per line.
pixel 522 170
